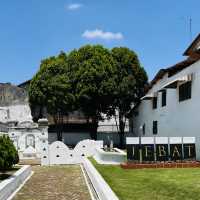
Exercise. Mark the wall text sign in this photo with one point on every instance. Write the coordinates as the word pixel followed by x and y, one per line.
pixel 160 148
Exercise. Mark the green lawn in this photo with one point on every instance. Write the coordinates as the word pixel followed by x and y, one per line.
pixel 152 184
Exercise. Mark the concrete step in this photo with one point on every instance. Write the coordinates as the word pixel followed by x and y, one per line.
pixel 35 161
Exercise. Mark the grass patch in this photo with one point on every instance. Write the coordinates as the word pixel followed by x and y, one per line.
pixel 155 184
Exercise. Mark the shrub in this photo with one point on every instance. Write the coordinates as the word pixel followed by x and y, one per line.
pixel 8 153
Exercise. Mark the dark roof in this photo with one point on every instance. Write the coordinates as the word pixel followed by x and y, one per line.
pixel 172 70
pixel 180 66
pixel 192 45
pixel 24 83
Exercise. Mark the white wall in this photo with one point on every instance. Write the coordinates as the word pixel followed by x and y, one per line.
pixel 3 114
pixel 109 125
pixel 20 112
pixel 176 118
pixel 58 153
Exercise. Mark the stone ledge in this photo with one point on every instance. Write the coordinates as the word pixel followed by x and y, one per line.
pixel 102 189
pixel 8 186
pixel 160 165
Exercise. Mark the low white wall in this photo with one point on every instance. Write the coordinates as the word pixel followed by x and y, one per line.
pixel 114 158
pixel 8 186
pixel 58 153
pixel 102 189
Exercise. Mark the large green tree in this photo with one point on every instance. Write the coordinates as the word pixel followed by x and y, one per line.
pixel 93 76
pixel 130 80
pixel 51 88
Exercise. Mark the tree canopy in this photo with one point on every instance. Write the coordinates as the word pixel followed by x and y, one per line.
pixel 93 75
pixel 52 88
pixel 92 79
pixel 130 79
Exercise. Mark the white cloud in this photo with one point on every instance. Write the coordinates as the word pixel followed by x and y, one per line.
pixel 100 34
pixel 74 6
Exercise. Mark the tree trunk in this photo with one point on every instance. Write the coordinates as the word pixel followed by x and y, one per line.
pixel 93 132
pixel 121 130
pixel 59 133
pixel 58 119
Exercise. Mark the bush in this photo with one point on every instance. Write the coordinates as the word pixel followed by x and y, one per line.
pixel 8 153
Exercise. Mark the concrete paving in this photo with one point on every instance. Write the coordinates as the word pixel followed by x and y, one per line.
pixel 55 183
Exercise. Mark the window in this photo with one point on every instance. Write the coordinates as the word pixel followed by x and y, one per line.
pixel 143 129
pixel 185 91
pixel 155 99
pixel 164 98
pixel 155 127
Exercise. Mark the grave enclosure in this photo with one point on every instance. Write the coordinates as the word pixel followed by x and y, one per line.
pixel 150 149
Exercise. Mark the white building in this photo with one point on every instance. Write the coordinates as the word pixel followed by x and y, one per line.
pixel 171 106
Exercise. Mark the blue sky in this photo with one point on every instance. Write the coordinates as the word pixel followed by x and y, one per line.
pixel 31 30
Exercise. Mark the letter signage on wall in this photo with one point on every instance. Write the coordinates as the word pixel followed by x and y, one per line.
pixel 176 148
pixel 133 146
pixel 147 145
pixel 189 148
pixel 161 148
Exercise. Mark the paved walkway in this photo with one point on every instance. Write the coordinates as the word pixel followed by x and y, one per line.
pixel 55 183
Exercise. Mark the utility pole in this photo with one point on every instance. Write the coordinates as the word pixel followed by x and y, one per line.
pixel 190 29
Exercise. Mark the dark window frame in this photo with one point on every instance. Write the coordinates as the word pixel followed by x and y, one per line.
pixel 185 91
pixel 155 102
pixel 155 127
pixel 144 129
pixel 164 98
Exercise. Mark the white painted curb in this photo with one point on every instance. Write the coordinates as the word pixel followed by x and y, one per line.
pixel 102 189
pixel 88 186
pixel 10 185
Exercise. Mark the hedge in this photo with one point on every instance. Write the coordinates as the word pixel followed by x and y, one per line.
pixel 8 153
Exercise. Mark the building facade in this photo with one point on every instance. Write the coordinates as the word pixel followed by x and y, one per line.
pixel 171 105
